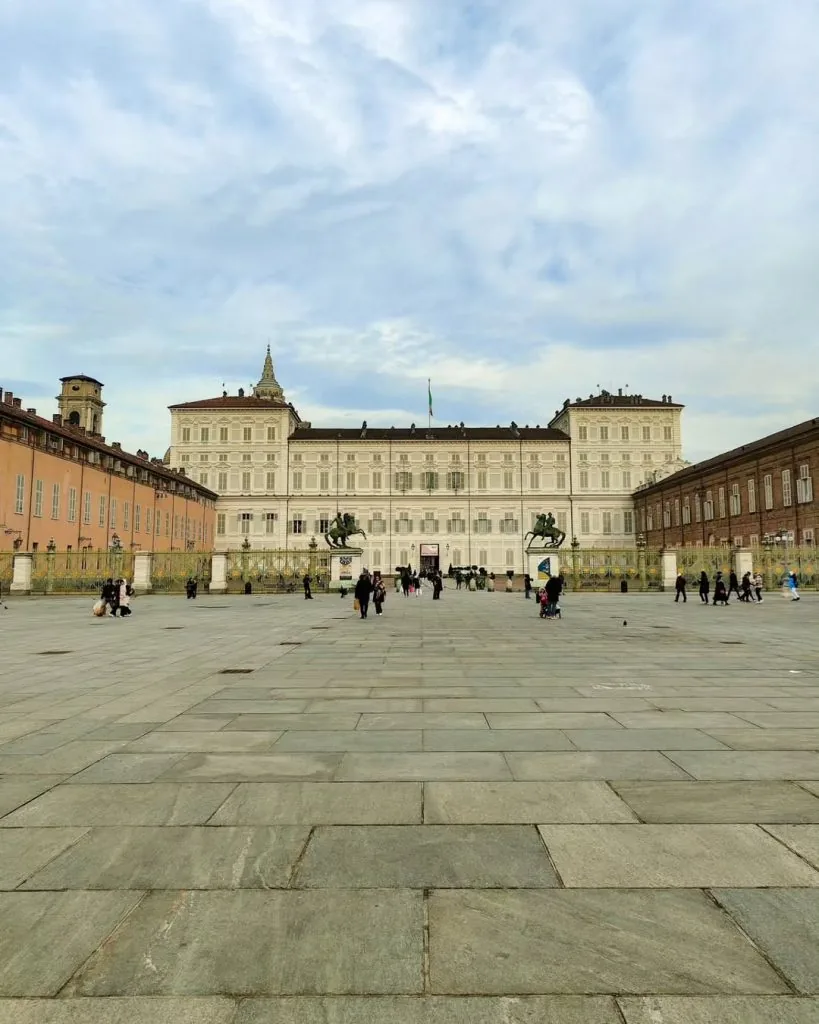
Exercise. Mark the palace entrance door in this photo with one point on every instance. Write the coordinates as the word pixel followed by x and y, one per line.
pixel 429 558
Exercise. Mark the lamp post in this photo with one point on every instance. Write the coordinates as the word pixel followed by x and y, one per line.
pixel 641 559
pixel 575 546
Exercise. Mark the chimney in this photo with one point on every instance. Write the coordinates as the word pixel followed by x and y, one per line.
pixel 116 446
pixel 664 398
pixel 18 403
pixel 31 412
pixel 669 400
pixel 620 392
pixel 8 398
pixel 241 392
pixel 57 419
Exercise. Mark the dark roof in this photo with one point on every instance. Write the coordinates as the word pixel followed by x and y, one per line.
pixel 404 434
pixel 606 400
pixel 234 402
pixel 82 376
pixel 79 437
pixel 789 435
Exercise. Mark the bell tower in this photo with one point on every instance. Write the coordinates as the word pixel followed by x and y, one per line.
pixel 268 386
pixel 80 402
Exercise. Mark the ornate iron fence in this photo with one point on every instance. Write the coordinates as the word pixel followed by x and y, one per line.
pixel 605 569
pixel 78 572
pixel 6 570
pixel 171 570
pixel 777 562
pixel 693 561
pixel 277 572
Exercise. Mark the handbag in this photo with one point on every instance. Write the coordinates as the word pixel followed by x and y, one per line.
pixel 356 605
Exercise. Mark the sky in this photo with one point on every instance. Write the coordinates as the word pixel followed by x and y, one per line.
pixel 523 200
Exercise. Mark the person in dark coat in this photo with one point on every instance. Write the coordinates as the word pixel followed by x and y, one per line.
pixel 747 594
pixel 733 585
pixel 363 589
pixel 379 593
pixel 720 592
pixel 553 588
pixel 306 583
pixel 110 595
pixel 190 588
pixel 406 579
pixel 527 586
pixel 437 587
pixel 679 586
pixel 705 587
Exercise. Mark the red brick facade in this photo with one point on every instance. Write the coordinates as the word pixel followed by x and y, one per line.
pixel 739 497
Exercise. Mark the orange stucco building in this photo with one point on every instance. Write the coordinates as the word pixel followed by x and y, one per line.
pixel 61 481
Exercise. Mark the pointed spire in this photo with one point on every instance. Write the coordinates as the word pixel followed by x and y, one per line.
pixel 268 386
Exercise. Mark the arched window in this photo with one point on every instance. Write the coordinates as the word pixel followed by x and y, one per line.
pixel 74 419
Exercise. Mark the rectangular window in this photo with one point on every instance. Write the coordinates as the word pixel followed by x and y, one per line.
pixel 221 523
pixel 377 482
pixel 627 479
pixel 403 481
pixel 607 522
pixel 297 526
pixel 377 457
pixel 102 513
pixel 247 457
pixel 584 523
pixel 55 501
pixel 646 433
pixel 203 458
pixel 508 480
pixel 455 480
pixel 483 524
pixel 583 456
pixel 787 494
pixel 224 434
pixel 686 513
pixel 560 480
pixel 676 511
pixel 203 479
pixel 184 458
pixel 721 499
pixel 247 433
pixel 270 520
pixel 482 480
pixel 245 520
pixel 482 558
pixel 767 489
pixel 667 434
pixel 245 482
pixel 403 457
pixel 72 504
pixel 628 521
pixel 605 479
pixel 223 457
pixel 86 508
pixel 804 485
pixel 186 434
pixel 534 481
pixel 752 496
pixel 708 507
pixel 510 558
pixel 271 433
pixel 137 518
pixel 482 459
pixel 736 501
pixel 604 433
pixel 582 433
pixel 624 433
pixel 605 457
pixel 666 515
pixel 204 435
pixel 508 457
pixel 270 481
pixel 20 495
pixel 149 522
pixel 167 524
pixel 113 516
pixel 126 516
pixel 324 481
pixel 350 482
pixel 222 482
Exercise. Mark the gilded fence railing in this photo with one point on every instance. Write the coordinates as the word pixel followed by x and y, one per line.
pixel 6 570
pixel 78 572
pixel 606 569
pixel 171 570
pixel 277 572
pixel 777 562
pixel 693 561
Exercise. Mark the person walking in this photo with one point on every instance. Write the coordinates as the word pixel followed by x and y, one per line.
pixel 720 593
pixel 758 586
pixel 553 589
pixel 459 580
pixel 733 586
pixel 679 586
pixel 745 585
pixel 191 588
pixel 363 589
pixel 705 587
pixel 307 584
pixel 793 585
pixel 406 580
pixel 527 586
pixel 379 593
pixel 125 593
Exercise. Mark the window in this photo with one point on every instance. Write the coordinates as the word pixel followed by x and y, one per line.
pixel 149 524
pixel 560 480
pixel 186 434
pixel 481 459
pixel 787 494
pixel 584 479
pixel 647 458
pixel 184 458
pixel 767 488
pixel 86 508
pixel 351 482
pixel 804 485
pixel 137 518
pixel 649 520
pixel 247 457
pixel 708 507
pixel 627 479
pixel 55 501
pixel 297 525
pixel 534 481
pixel 481 480
pixel 221 523
pixel 605 457
pixel 324 524
pixel 203 458
pixel 482 558
pixel 676 511
pixel 604 433
pixel 167 524
pixel 561 457
pixel 297 480
pixel 223 457
pixel 807 536
pixel 324 480
pixel 735 501
pixel 271 433
pixel 752 496
pixel 646 433
pixel 605 479
pixel 583 456
pixel 247 433
pixel 582 433
pixel 508 480
pixel 20 495
pixel 245 482
pixel 628 521
pixel 72 504
pixel 455 480
pixel 456 524
pixel 222 482
pixel 377 482
pixel 112 518
pixel 403 457
pixel 607 522
pixel 666 515
pixel 456 459
pixel 403 524
pixel 429 480
pixel 483 524
pixel 102 511
pixel 584 523
pixel 351 456
pixel 377 457
pixel 625 457
pixel 270 481
pixel 403 481
pixel 509 524
pixel 223 434
pixel 667 434
pixel 203 479
pixel 126 516
pixel 245 519
pixel 270 520
pixel 204 435
pixel 430 523
pixel 508 457
pixel 686 512
pixel 721 499
pixel 378 525
pixel 510 558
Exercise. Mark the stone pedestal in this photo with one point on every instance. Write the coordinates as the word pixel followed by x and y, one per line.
pixel 218 573
pixel 542 564
pixel 21 578
pixel 141 583
pixel 743 562
pixel 345 567
pixel 669 566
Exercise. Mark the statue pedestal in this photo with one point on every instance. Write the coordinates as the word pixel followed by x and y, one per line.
pixel 345 567
pixel 542 564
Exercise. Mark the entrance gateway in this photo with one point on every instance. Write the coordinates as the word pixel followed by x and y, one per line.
pixel 429 558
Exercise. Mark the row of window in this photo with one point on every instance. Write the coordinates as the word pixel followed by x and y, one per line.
pixel 221 434
pixel 602 433
pixel 107 513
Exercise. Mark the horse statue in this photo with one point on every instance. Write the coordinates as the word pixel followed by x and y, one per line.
pixel 545 528
pixel 341 528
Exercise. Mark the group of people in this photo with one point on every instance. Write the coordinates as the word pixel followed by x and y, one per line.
pixel 748 589
pixel 114 597
pixel 370 586
pixel 411 583
pixel 548 596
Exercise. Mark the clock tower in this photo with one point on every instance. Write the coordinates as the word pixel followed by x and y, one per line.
pixel 80 403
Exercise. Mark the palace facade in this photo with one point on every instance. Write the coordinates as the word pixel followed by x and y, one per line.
pixel 423 495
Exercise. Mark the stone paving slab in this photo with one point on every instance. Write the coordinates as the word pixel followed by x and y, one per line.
pixel 643 739
pixel 593 765
pixel 317 803
pixel 672 856
pixel 201 742
pixel 282 723
pixel 126 768
pixel 719 1010
pixel 24 850
pixel 496 739
pixel 715 802
pixel 582 941
pixel 755 738
pixel 404 767
pixel 442 720
pixel 388 740
pixel 802 839
pixel 17 790
pixel 544 720
pixel 522 803
pixel 118 1011
pixel 242 943
pixel 242 767
pixel 755 764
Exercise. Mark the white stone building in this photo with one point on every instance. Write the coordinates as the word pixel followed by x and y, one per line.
pixel 445 495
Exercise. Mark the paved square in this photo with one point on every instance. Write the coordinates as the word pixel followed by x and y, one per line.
pixel 456 812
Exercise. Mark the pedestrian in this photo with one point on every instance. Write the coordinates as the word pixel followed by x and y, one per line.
pixel 379 593
pixel 107 594
pixel 191 588
pixel 459 580
pixel 437 587
pixel 307 584
pixel 679 586
pixel 527 586
pixel 747 596
pixel 758 585
pixel 553 590
pixel 733 586
pixel 363 589
pixel 720 593
pixel 115 598
pixel 125 593
pixel 406 581
pixel 793 585
pixel 418 586
pixel 705 587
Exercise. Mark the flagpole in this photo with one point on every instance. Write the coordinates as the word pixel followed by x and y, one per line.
pixel 429 403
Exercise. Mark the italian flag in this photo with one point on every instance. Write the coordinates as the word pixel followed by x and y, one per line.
pixel 429 397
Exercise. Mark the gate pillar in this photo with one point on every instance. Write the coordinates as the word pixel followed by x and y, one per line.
pixel 541 565
pixel 218 573
pixel 21 578
pixel 345 567
pixel 142 572
pixel 743 561
pixel 669 568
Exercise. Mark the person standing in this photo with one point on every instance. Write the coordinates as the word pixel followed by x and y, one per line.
pixel 307 584
pixel 793 585
pixel 363 589
pixel 190 588
pixel 437 587
pixel 107 594
pixel 459 580
pixel 527 586
pixel 679 586
pixel 705 587
pixel 747 596
pixel 379 593
pixel 553 588
pixel 406 580
pixel 125 593
pixel 758 585
pixel 733 586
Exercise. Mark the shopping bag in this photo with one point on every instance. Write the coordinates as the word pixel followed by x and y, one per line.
pixel 99 609
pixel 356 605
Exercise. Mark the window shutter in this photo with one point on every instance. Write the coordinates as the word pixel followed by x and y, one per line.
pixel 396 526
pixel 369 526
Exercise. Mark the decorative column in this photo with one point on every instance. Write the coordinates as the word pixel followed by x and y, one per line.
pixel 218 573
pixel 669 561
pixel 21 577
pixel 641 561
pixel 143 561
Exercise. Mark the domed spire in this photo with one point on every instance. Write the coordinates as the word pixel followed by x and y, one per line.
pixel 268 386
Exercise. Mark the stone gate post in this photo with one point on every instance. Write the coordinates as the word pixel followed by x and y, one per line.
pixel 143 561
pixel 21 573
pixel 669 563
pixel 218 573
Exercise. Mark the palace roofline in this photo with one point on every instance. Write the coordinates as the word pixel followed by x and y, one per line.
pixel 414 433
pixel 606 400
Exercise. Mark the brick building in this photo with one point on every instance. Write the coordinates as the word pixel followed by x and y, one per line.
pixel 61 481
pixel 760 490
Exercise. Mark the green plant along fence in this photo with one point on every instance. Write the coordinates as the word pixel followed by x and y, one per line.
pixel 601 569
pixel 78 572
pixel 171 570
pixel 6 570
pixel 692 561
pixel 277 572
